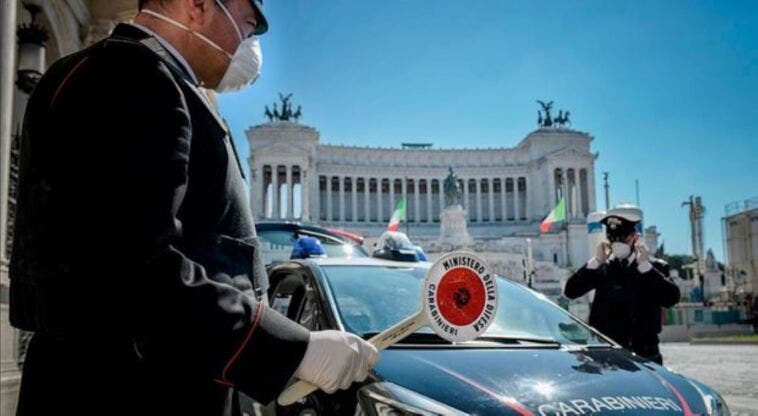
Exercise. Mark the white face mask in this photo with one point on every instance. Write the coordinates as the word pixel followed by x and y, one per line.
pixel 621 250
pixel 246 62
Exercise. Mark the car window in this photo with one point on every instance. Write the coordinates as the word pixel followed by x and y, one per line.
pixel 372 298
pixel 297 300
pixel 276 245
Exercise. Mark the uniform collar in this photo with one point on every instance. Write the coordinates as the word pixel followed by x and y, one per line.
pixel 161 47
pixel 171 49
pixel 135 33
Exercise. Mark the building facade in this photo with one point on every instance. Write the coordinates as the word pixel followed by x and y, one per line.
pixel 506 191
pixel 740 227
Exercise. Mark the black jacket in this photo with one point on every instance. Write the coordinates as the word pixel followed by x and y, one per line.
pixel 627 303
pixel 134 227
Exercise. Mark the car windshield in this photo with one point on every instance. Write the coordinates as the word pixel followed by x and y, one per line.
pixel 277 245
pixel 370 299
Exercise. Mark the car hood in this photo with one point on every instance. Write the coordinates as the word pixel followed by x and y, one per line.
pixel 521 381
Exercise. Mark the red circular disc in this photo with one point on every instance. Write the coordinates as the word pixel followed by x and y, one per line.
pixel 460 296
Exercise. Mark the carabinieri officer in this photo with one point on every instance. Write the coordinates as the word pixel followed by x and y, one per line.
pixel 630 286
pixel 135 257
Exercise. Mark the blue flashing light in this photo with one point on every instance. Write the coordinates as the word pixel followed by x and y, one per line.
pixel 306 247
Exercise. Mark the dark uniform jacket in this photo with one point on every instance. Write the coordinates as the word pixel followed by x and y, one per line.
pixel 627 303
pixel 135 254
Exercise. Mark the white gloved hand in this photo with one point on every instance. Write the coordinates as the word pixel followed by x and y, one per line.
pixel 336 359
pixel 643 257
pixel 601 255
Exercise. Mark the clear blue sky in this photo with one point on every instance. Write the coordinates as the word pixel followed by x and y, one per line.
pixel 667 88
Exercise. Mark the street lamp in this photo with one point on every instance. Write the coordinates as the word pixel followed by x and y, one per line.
pixel 32 38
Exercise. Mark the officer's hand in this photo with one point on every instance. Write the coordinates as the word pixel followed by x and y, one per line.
pixel 640 249
pixel 602 250
pixel 643 257
pixel 335 359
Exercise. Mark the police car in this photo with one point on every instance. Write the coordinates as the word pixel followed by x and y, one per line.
pixel 534 359
pixel 278 239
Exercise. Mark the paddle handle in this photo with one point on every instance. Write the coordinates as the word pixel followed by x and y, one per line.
pixel 381 341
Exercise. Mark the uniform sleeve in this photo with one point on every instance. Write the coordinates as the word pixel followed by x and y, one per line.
pixel 191 319
pixel 664 289
pixel 581 282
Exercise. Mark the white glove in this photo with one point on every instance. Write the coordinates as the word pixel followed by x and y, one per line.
pixel 336 359
pixel 601 255
pixel 643 257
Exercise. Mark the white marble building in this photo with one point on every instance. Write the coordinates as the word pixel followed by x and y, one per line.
pixel 507 191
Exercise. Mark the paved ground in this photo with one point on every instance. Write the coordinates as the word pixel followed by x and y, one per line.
pixel 730 369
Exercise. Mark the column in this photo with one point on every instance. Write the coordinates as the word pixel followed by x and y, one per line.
pixel 581 191
pixel 258 182
pixel 305 212
pixel 564 186
pixel 314 188
pixel 275 211
pixel 478 200
pixel 392 195
pixel 591 187
pixel 342 198
pixel 466 198
pixel 290 213
pixel 564 189
pixel 576 196
pixel 329 216
pixel 441 188
pixel 416 207
pixel 263 197
pixel 491 197
pixel 527 200
pixel 354 197
pixel 379 201
pixel 516 202
pixel 429 218
pixel 551 197
pixel 404 185
pixel 503 199
pixel 8 9
pixel 367 201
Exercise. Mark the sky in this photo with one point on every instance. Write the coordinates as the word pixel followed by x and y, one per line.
pixel 667 88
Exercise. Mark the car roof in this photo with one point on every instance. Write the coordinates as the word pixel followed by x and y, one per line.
pixel 368 261
pixel 297 226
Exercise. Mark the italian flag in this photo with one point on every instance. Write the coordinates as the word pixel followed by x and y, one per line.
pixel 558 214
pixel 397 216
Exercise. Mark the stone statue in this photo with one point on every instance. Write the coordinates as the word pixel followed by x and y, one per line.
pixel 546 107
pixel 452 189
pixel 286 107
pixel 276 113
pixel 562 119
pixel 453 229
pixel 297 114
pixel 286 113
pixel 545 119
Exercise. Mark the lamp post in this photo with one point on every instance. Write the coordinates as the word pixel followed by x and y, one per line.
pixel 32 38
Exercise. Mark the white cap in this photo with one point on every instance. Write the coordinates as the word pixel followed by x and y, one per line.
pixel 628 212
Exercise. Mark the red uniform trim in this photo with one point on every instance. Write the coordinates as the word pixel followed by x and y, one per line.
pixel 224 378
pixel 65 80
